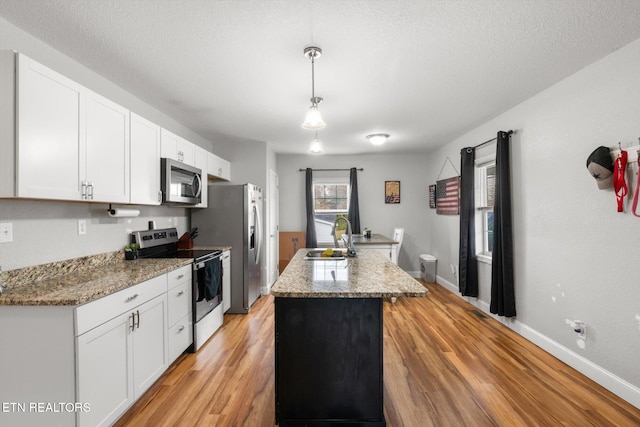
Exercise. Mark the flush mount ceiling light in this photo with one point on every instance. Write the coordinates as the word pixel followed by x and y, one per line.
pixel 378 138
pixel 316 146
pixel 313 119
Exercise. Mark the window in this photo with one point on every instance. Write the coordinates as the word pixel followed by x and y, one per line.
pixel 330 201
pixel 485 197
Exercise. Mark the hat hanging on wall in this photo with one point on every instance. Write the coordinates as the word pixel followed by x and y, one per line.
pixel 600 166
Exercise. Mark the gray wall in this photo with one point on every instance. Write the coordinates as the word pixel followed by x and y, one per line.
pixel 381 218
pixel 575 256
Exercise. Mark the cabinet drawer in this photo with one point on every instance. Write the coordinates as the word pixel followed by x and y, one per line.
pixel 97 312
pixel 180 337
pixel 179 275
pixel 179 302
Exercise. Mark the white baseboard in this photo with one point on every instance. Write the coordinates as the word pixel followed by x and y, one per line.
pixel 606 379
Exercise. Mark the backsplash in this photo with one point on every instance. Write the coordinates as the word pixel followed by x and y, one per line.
pixel 47 231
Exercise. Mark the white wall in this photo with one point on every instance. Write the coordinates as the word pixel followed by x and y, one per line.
pixel 381 218
pixel 575 256
pixel 48 231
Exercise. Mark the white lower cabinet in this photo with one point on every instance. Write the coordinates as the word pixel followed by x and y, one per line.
pixel 180 311
pixel 104 363
pixel 120 359
pixel 98 358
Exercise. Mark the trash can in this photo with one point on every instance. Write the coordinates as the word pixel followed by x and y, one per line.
pixel 428 267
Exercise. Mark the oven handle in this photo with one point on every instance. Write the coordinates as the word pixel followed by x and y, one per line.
pixel 200 264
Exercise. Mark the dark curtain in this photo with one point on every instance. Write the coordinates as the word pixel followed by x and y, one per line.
pixel 312 240
pixel 468 264
pixel 354 209
pixel 503 301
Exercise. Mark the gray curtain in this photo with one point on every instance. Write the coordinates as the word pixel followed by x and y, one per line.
pixel 467 263
pixel 354 209
pixel 312 240
pixel 503 301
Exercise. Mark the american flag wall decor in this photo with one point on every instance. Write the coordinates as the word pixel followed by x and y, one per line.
pixel 448 196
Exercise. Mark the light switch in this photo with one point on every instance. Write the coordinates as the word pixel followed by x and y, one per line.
pixel 6 232
pixel 82 227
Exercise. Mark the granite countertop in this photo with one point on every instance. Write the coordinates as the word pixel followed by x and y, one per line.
pixel 369 275
pixel 375 239
pixel 80 280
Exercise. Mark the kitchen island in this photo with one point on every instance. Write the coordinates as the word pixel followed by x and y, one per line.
pixel 328 333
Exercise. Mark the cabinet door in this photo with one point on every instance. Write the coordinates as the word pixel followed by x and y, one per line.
pixel 169 144
pixel 104 364
pixel 145 162
pixel 218 167
pixel 150 345
pixel 107 150
pixel 201 163
pixel 226 281
pixel 187 152
pixel 50 137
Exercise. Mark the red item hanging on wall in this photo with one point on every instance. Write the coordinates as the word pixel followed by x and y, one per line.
pixel 619 183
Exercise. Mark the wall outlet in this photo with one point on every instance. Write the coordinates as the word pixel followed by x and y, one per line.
pixel 82 227
pixel 6 232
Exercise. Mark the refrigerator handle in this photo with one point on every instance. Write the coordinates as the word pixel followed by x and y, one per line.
pixel 258 232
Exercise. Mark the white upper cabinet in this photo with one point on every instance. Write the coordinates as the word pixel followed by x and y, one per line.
pixel 218 168
pixel 61 141
pixel 177 148
pixel 50 135
pixel 107 150
pixel 145 161
pixel 201 163
pixel 70 143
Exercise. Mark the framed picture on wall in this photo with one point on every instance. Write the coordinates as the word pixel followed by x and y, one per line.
pixel 392 192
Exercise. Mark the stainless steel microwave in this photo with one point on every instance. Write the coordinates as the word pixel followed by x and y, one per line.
pixel 180 184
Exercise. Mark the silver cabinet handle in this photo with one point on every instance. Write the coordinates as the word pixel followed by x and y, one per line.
pixel 90 190
pixel 132 297
pixel 182 292
pixel 133 321
pixel 181 328
pixel 138 313
pixel 180 276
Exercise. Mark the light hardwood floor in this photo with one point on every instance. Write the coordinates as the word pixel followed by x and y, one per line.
pixel 445 364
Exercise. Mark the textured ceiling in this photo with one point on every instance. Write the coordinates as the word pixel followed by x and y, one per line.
pixel 424 71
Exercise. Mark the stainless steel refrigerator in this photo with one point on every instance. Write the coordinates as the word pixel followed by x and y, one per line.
pixel 234 218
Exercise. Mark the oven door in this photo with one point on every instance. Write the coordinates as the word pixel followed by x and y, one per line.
pixel 207 285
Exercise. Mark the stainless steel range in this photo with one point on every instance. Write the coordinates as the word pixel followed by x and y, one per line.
pixel 207 275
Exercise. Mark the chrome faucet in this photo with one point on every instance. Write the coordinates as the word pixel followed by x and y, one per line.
pixel 349 242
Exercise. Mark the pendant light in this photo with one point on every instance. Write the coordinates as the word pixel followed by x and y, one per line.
pixel 313 119
pixel 316 146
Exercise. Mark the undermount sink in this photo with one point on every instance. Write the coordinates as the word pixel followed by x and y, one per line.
pixel 316 255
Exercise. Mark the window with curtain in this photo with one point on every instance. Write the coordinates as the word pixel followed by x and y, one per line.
pixel 485 184
pixel 330 201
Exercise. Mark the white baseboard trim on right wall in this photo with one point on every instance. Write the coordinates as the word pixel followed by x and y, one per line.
pixel 606 379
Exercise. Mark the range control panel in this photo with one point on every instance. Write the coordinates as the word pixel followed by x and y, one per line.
pixel 151 238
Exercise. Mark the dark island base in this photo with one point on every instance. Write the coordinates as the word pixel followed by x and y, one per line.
pixel 329 362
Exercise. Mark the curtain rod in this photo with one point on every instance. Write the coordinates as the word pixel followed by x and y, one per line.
pixel 330 170
pixel 493 139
